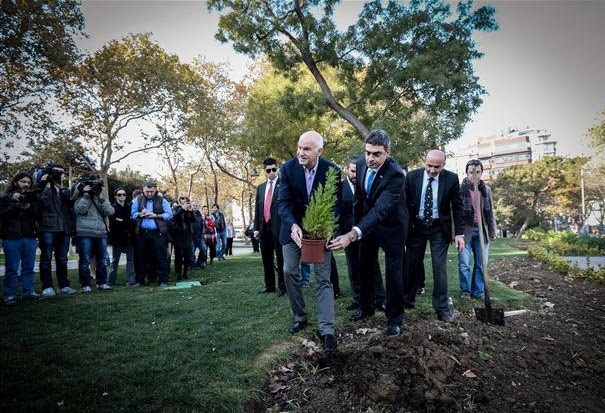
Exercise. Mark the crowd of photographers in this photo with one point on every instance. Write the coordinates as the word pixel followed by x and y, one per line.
pixel 38 211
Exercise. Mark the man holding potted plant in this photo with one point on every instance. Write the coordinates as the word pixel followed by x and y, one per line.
pixel 300 179
pixel 380 219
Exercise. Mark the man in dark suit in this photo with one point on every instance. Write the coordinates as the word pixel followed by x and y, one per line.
pixel 433 196
pixel 266 229
pixel 381 218
pixel 299 178
pixel 352 251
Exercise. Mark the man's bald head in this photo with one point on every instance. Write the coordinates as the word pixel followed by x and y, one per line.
pixel 310 147
pixel 434 162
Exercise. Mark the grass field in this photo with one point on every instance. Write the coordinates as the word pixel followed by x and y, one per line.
pixel 205 349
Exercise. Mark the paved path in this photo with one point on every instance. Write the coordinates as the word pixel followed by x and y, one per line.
pixel 239 248
pixel 584 262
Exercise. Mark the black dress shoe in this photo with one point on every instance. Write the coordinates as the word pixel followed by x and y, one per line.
pixel 360 315
pixel 445 316
pixel 329 342
pixel 393 331
pixel 281 293
pixel 266 291
pixel 297 326
pixel 337 296
pixel 353 306
pixel 380 307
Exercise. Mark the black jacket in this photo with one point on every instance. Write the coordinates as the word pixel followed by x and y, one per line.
pixel 449 201
pixel 17 222
pixel 56 211
pixel 120 231
pixel 259 213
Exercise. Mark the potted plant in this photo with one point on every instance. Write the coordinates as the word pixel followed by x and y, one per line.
pixel 319 221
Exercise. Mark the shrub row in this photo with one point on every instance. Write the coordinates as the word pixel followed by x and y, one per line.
pixel 561 265
pixel 567 243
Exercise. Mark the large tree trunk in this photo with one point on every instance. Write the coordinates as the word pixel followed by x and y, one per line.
pixel 524 226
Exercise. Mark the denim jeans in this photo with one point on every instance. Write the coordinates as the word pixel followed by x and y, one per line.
pixel 57 242
pixel 86 247
pixel 19 253
pixel 116 253
pixel 221 244
pixel 472 285
pixel 202 256
pixel 305 272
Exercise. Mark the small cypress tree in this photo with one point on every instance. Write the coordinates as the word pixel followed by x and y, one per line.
pixel 319 221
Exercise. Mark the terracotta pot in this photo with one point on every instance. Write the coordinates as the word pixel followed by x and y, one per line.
pixel 313 250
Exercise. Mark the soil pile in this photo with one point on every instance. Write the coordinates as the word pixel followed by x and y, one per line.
pixel 551 358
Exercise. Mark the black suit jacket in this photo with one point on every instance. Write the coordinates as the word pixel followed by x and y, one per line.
pixel 384 212
pixel 346 211
pixel 259 211
pixel 448 200
pixel 293 200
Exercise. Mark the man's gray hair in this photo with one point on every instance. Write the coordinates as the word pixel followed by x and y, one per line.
pixel 379 137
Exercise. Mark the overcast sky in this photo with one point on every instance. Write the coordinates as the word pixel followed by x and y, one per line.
pixel 543 68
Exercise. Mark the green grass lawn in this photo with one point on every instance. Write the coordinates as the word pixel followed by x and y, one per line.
pixel 205 349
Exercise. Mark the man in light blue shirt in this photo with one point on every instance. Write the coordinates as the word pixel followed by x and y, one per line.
pixel 151 212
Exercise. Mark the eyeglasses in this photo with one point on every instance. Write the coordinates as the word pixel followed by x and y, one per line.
pixel 121 194
pixel 269 170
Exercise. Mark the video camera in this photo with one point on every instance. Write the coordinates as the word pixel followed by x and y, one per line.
pixel 96 185
pixel 48 174
pixel 28 197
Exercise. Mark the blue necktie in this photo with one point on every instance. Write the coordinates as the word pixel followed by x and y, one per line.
pixel 371 176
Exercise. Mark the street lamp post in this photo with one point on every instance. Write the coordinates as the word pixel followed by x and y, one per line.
pixel 582 189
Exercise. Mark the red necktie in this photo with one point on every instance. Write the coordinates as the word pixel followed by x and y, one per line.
pixel 268 199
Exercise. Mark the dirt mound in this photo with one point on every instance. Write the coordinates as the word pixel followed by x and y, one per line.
pixel 550 359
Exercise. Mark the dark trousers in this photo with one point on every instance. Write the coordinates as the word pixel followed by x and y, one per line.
pixel 334 276
pixel 394 255
pixel 57 243
pixel 151 249
pixel 271 252
pixel 352 255
pixel 182 258
pixel 416 247
pixel 230 246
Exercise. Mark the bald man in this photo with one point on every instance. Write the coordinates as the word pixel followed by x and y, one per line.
pixel 433 198
pixel 299 178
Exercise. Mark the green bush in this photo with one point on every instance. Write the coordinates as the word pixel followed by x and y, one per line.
pixel 319 221
pixel 567 243
pixel 561 265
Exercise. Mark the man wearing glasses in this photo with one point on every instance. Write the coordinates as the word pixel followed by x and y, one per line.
pixel 266 229
pixel 120 238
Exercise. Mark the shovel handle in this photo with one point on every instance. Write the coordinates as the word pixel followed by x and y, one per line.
pixel 475 178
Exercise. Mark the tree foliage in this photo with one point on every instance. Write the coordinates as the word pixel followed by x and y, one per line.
pixel 279 109
pixel 405 68
pixel 124 82
pixel 597 133
pixel 37 51
pixel 540 191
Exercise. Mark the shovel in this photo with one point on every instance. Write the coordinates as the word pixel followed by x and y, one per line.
pixel 487 314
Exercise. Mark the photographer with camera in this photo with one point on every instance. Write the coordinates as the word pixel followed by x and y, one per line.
pixel 55 227
pixel 92 232
pixel 18 216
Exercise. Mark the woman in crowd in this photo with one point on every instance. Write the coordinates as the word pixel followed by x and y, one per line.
pixel 230 235
pixel 209 232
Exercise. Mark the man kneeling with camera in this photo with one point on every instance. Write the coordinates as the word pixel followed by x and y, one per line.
pixel 91 231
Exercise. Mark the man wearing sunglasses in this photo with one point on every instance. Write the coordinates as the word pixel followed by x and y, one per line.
pixel 266 229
